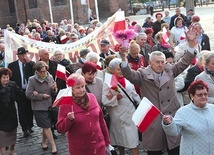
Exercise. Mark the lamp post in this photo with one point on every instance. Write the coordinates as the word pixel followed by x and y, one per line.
pixel 50 9
pixel 72 12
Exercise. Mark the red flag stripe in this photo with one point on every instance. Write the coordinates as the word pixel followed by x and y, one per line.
pixel 62 101
pixel 60 75
pixel 150 116
pixel 120 25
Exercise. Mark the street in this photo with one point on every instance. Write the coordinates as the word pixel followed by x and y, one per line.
pixel 32 144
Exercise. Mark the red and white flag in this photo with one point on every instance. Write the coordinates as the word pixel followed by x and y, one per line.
pixel 110 80
pixel 120 23
pixel 64 97
pixel 61 72
pixel 145 114
pixel 165 36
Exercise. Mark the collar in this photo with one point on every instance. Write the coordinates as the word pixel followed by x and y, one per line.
pixel 198 108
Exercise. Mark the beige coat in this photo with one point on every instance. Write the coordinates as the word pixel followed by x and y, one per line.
pixel 123 131
pixel 163 95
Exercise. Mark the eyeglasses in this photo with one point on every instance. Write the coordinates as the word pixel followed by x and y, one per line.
pixel 42 72
pixel 73 38
pixel 201 95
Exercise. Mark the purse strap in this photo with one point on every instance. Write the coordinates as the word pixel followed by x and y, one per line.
pixel 121 87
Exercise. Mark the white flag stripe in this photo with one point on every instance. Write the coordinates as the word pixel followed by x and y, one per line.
pixel 64 92
pixel 140 113
pixel 107 79
pixel 61 68
pixel 120 16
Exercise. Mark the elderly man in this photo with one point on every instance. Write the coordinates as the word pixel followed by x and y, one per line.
pixel 145 49
pixel 22 69
pixel 157 83
pixel 105 49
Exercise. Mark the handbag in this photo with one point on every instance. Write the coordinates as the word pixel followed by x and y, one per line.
pixel 53 111
pixel 106 116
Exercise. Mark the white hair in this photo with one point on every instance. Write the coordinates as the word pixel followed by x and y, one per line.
pixel 114 62
pixel 92 55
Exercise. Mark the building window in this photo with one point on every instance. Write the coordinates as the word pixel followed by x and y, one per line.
pixel 32 3
pixel 11 6
pixel 60 2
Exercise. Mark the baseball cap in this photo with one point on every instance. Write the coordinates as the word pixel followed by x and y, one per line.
pixel 104 42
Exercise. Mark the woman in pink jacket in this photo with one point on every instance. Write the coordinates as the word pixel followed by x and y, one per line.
pixel 83 121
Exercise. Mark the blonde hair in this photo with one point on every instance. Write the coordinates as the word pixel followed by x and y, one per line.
pixel 133 45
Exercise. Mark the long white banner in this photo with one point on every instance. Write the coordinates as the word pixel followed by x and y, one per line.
pixel 71 51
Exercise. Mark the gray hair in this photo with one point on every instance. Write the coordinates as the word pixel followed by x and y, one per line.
pixel 208 57
pixel 114 62
pixel 58 51
pixel 141 34
pixel 157 53
pixel 92 55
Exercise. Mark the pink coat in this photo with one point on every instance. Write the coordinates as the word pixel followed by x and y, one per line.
pixel 87 133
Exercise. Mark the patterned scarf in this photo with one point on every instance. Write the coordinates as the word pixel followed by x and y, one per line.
pixel 83 102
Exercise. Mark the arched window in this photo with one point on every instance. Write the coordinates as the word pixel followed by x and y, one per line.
pixel 32 3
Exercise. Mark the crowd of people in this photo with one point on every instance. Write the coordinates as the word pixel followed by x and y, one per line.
pixel 176 75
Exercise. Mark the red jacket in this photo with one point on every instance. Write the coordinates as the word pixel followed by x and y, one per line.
pixel 135 64
pixel 87 133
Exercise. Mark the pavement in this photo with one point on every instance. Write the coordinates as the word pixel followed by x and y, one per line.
pixel 32 144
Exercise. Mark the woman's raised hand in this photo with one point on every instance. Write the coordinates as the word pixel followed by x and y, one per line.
pixel 70 116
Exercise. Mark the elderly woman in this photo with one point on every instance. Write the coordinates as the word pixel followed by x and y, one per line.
pixel 93 83
pixel 9 93
pixel 161 44
pixel 135 59
pixel 179 30
pixel 40 89
pixel 208 75
pixel 94 58
pixel 123 132
pixel 82 119
pixel 194 122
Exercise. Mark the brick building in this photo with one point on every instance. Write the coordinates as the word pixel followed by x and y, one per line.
pixel 18 11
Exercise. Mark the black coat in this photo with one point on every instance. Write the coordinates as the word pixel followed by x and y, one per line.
pixel 8 114
pixel 157 27
pixel 190 77
pixel 16 75
pixel 205 43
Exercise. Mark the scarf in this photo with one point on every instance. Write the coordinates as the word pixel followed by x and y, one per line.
pixel 121 80
pixel 83 102
pixel 131 59
pixel 150 42
pixel 209 72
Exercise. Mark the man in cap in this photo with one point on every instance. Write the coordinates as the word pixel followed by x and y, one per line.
pixel 22 69
pixel 72 68
pixel 105 49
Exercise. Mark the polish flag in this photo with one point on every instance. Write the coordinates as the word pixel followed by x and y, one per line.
pixel 110 80
pixel 61 72
pixel 64 39
pixel 120 23
pixel 63 97
pixel 165 36
pixel 145 114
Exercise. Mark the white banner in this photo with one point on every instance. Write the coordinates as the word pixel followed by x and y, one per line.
pixel 71 51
